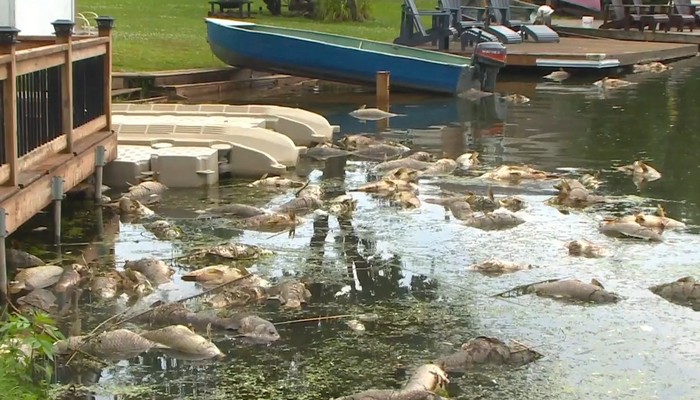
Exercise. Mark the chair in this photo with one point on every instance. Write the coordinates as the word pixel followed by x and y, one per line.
pixel 459 18
pixel 413 33
pixel 628 16
pixel 650 18
pixel 685 15
pixel 500 12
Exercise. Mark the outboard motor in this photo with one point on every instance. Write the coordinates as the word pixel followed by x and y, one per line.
pixel 487 60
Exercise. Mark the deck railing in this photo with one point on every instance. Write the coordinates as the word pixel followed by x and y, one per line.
pixel 55 92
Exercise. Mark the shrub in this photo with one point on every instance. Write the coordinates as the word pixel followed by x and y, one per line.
pixel 343 10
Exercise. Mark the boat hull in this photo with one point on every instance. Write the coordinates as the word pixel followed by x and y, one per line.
pixel 241 47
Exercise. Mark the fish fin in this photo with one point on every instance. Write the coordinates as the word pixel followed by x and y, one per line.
pixel 661 211
pixel 597 283
pixel 489 193
pixel 686 279
pixel 362 107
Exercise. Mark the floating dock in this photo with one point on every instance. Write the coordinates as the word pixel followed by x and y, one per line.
pixel 573 28
pixel 585 53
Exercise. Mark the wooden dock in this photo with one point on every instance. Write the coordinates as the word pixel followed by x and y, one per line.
pixel 55 118
pixel 585 53
pixel 573 28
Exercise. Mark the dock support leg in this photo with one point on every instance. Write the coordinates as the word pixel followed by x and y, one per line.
pixel 382 89
pixel 57 196
pixel 100 155
pixel 3 257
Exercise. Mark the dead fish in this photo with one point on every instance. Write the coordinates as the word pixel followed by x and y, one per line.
pixel 658 222
pixel 461 210
pixel 164 230
pixel 371 114
pixel 380 151
pixel 641 170
pixel 387 186
pixel 405 199
pixel 300 205
pixel 472 94
pixel 311 191
pixel 574 289
pixel 16 259
pixel 228 252
pixel 215 274
pixel 274 222
pixel 389 394
pixel 35 278
pixel 483 350
pixel 421 156
pixel 654 66
pixel 443 166
pixel 402 174
pixel 512 203
pixel 235 211
pixel 290 293
pixel 343 205
pixel 146 192
pixel 468 160
pixel 516 173
pixel 40 299
pixel 611 83
pixel 354 142
pixel 429 377
pixel 355 325
pixel 154 269
pixel 69 278
pixel 496 220
pixel 496 266
pixel 255 329
pixel 106 286
pixel 324 151
pixel 182 340
pixel 406 162
pixel 132 207
pixel 557 76
pixel 119 344
pixel 174 313
pixel 584 248
pixel 573 193
pixel 135 282
pixel 276 182
pixel 684 291
pixel 516 98
pixel 590 181
pixel 232 296
pixel 619 227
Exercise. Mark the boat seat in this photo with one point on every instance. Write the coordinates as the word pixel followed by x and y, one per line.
pixel 473 36
pixel 504 34
pixel 539 33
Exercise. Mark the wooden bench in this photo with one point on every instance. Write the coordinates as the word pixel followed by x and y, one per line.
pixel 230 4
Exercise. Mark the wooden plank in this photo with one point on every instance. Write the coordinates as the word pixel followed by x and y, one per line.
pixel 10 117
pixel 7 191
pixel 41 52
pixel 3 71
pixel 88 52
pixel 24 204
pixel 4 173
pixel 29 65
pixel 43 152
pixel 67 93
pixel 88 128
pixel 634 35
pixel 92 41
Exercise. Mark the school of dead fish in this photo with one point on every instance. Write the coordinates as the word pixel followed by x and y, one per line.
pixel 172 328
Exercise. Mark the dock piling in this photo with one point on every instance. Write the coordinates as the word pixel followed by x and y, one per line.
pixel 382 89
pixel 3 257
pixel 8 46
pixel 57 197
pixel 100 155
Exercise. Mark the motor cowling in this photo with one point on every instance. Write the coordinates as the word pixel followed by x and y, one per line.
pixel 488 59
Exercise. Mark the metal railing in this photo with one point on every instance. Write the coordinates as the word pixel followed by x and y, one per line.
pixel 38 109
pixel 88 89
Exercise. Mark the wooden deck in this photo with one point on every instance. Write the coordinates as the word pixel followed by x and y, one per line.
pixel 581 53
pixel 573 28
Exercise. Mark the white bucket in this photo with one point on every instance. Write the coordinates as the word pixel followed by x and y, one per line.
pixel 587 22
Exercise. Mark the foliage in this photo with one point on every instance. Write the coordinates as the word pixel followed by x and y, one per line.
pixel 26 349
pixel 151 37
pixel 343 10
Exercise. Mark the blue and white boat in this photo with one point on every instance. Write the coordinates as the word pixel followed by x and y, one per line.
pixel 352 60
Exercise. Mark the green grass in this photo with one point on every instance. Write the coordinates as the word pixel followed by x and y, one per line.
pixel 152 35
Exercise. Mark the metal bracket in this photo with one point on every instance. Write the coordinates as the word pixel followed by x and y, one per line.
pixel 57 188
pixel 100 156
pixel 3 223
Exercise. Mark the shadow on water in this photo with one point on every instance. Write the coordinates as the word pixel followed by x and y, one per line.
pixel 408 267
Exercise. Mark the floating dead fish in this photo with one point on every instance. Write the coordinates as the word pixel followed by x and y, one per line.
pixel 131 207
pixel 650 67
pixel 483 350
pixel 496 220
pixel 387 186
pixel 69 278
pixel 406 162
pixel 17 259
pixel 40 299
pixel 355 325
pixel 163 230
pixel 36 278
pixel 573 193
pixel 422 385
pixel 585 248
pixel 641 170
pixel 235 296
pixel 354 142
pixel 154 269
pixel 444 166
pixel 215 274
pixel 255 329
pixel 228 252
pixel 343 205
pixel 621 227
pixel 569 290
pixel 135 283
pixel 468 160
pixel 380 151
pixel 496 266
pixel 658 222
pixel 516 98
pixel 612 83
pixel 461 210
pixel 146 192
pixel 276 182
pixel 119 344
pixel 402 174
pixel 235 211
pixel 106 286
pixel 372 114
pixel 324 151
pixel 472 94
pixel 311 191
pixel 516 173
pixel 290 293
pixel 684 291
pixel 174 313
pixel 590 181
pixel 274 222
pixel 182 340
pixel 300 205
pixel 405 199
pixel 557 76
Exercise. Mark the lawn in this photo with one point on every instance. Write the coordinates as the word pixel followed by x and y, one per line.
pixel 152 35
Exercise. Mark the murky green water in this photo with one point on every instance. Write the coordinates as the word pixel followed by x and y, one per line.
pixel 641 348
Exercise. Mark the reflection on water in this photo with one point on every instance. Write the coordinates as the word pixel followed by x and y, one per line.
pixel 408 267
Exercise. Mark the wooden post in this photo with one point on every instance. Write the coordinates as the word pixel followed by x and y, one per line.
pixel 63 28
pixel 104 28
pixel 3 257
pixel 382 89
pixel 8 44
